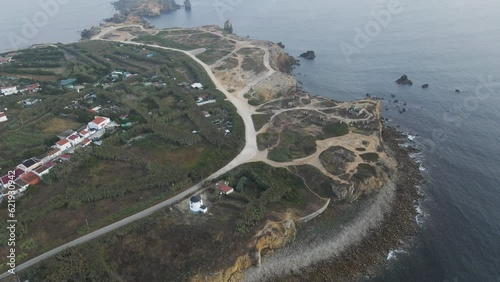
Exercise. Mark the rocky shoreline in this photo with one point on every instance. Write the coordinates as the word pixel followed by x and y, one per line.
pixel 367 257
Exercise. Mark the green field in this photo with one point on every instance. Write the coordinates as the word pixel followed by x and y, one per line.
pixel 154 157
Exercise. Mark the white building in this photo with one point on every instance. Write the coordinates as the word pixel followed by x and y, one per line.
pixel 74 139
pixel 196 205
pixel 197 85
pixel 9 90
pixel 84 133
pixel 3 117
pixel 63 144
pixel 99 123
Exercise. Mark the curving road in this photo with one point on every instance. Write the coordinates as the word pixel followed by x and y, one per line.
pixel 248 153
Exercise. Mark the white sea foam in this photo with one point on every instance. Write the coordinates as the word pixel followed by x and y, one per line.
pixel 393 253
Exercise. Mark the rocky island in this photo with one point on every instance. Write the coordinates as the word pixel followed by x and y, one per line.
pixel 309 55
pixel 265 157
pixel 404 80
pixel 146 8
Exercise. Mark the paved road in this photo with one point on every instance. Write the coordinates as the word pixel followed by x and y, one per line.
pixel 249 152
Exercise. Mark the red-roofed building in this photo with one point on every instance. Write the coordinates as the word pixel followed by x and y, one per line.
pixel 28 179
pixel 3 117
pixel 31 88
pixel 53 154
pixel 63 144
pixel 84 133
pixel 224 188
pixel 44 169
pixel 99 123
pixel 74 139
pixel 65 157
pixel 14 176
pixel 85 142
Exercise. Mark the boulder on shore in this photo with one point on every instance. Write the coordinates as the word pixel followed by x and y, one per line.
pixel 282 46
pixel 403 80
pixel 425 86
pixel 309 55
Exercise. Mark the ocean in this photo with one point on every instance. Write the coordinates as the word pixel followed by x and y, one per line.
pixel 363 47
pixel 27 22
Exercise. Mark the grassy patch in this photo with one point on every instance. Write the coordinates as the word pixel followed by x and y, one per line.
pixel 370 157
pixel 335 129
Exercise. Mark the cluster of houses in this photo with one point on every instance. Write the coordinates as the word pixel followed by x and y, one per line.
pixel 5 60
pixel 26 174
pixel 30 171
pixel 196 202
pixel 10 90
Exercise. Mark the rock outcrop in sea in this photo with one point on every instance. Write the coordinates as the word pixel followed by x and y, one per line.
pixel 425 86
pixel 403 80
pixel 228 26
pixel 187 5
pixel 309 55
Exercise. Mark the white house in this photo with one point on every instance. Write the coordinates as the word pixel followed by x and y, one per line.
pixel 44 169
pixel 99 123
pixel 63 144
pixel 84 133
pixel 196 204
pixel 197 85
pixel 53 154
pixel 8 90
pixel 3 117
pixel 74 139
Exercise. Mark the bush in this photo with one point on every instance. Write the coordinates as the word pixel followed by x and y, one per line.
pixel 336 129
pixel 281 154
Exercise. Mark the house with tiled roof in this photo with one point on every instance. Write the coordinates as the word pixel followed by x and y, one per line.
pixel 74 139
pixel 85 142
pixel 63 144
pixel 224 188
pixel 31 88
pixel 44 169
pixel 99 123
pixel 84 133
pixel 4 180
pixel 28 179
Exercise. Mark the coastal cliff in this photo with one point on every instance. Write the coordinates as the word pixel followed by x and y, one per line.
pixel 145 8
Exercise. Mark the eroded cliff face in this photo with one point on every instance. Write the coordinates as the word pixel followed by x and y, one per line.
pixel 146 8
pixel 272 236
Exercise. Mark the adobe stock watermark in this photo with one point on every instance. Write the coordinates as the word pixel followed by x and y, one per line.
pixel 463 110
pixel 363 37
pixel 32 25
pixel 222 7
